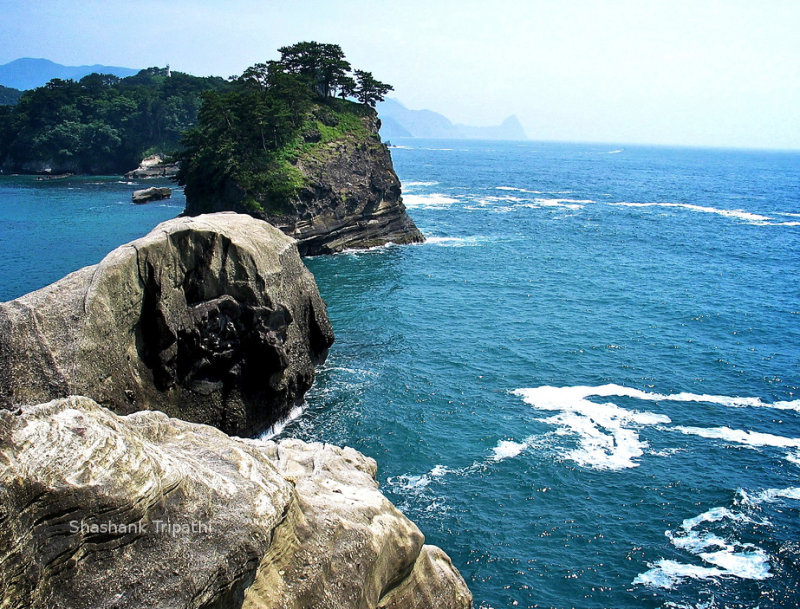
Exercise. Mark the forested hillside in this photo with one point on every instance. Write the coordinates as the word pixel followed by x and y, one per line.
pixel 101 123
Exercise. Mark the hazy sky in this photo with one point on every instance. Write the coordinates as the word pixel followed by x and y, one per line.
pixel 697 72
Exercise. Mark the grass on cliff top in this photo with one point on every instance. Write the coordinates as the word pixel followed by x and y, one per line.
pixel 334 121
pixel 248 154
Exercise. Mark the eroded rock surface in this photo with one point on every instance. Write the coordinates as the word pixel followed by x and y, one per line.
pixel 154 166
pixel 212 319
pixel 275 525
pixel 154 193
pixel 351 198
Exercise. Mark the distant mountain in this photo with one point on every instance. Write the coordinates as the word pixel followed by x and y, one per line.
pixel 9 96
pixel 28 73
pixel 399 121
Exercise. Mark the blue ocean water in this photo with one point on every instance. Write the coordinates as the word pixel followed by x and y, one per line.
pixel 585 385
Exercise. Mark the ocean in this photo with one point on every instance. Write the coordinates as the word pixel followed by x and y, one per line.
pixel 584 386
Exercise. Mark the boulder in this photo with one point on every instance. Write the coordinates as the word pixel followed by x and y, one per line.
pixel 153 193
pixel 212 319
pixel 101 510
pixel 153 166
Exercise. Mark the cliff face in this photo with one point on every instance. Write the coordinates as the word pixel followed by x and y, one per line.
pixel 350 195
pixel 98 510
pixel 213 319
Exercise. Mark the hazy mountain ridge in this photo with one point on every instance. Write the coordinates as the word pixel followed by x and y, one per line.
pixel 29 73
pixel 399 121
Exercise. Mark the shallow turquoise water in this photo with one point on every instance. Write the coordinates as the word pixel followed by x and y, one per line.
pixel 553 384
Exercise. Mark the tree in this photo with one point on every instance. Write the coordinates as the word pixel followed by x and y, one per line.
pixel 370 91
pixel 323 65
pixel 346 86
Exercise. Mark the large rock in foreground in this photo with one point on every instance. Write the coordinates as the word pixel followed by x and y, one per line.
pixel 213 319
pixel 98 510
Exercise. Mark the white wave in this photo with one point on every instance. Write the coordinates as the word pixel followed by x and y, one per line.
pixel 612 389
pixel 278 427
pixel 508 449
pixel 535 192
pixel 788 214
pixel 729 558
pixel 568 203
pixel 739 214
pixel 794 457
pixel 456 241
pixel 484 201
pixel 668 573
pixel 770 495
pixel 350 251
pixel 428 201
pixel 606 437
pixel 440 470
pixel 713 515
pixel 606 434
pixel 615 151
pixel 780 223
pixel 402 147
pixel 753 563
pixel 408 482
pixel 410 184
pixel 739 436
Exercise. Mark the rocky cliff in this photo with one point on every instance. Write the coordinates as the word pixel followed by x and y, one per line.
pixel 99 510
pixel 348 193
pixel 213 319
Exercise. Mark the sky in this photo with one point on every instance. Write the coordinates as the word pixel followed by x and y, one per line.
pixel 695 73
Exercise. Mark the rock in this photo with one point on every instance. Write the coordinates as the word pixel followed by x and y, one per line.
pixel 213 319
pixel 86 497
pixel 352 197
pixel 151 194
pixel 154 166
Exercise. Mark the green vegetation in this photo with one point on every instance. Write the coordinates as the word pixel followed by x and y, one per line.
pixel 249 138
pixel 239 138
pixel 9 96
pixel 101 124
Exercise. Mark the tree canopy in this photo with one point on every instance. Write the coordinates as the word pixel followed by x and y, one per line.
pixel 106 124
pixel 325 69
pixel 101 123
pixel 247 137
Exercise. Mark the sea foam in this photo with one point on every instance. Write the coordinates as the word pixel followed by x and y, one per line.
pixel 606 433
pixel 730 558
pixel 740 436
pixel 428 201
pixel 738 214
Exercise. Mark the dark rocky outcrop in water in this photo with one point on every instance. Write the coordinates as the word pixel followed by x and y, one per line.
pixel 351 198
pixel 154 193
pixel 213 319
pixel 99 510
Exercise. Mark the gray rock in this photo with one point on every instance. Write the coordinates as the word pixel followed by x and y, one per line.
pixel 251 524
pixel 154 166
pixel 213 319
pixel 352 198
pixel 154 193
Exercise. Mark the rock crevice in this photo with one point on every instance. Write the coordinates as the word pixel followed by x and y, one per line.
pixel 207 520
pixel 213 319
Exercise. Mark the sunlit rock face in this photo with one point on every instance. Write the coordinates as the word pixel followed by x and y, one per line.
pixel 102 510
pixel 212 319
